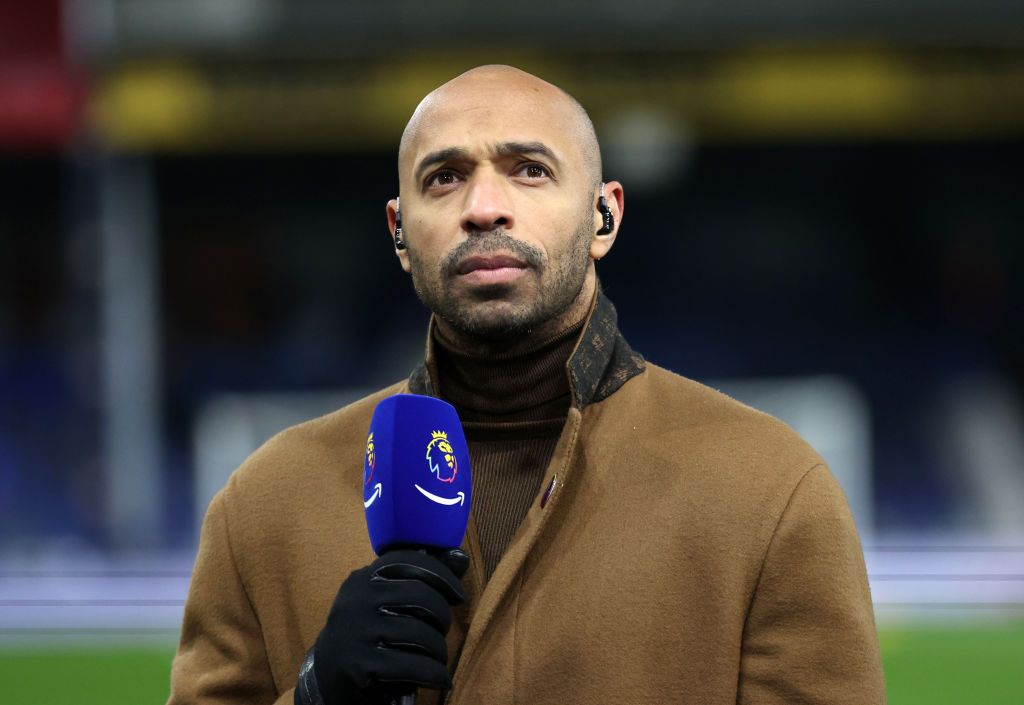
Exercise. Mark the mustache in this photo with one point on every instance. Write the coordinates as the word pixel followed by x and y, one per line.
pixel 488 243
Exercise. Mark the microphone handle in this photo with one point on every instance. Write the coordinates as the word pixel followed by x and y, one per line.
pixel 409 698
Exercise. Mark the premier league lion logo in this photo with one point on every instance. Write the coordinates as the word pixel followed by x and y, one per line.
pixel 371 459
pixel 441 457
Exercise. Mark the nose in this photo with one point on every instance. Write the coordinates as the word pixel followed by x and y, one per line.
pixel 487 205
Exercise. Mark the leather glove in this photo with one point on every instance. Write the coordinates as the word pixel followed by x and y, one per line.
pixel 385 634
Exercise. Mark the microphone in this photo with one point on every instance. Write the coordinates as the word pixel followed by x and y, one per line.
pixel 417 487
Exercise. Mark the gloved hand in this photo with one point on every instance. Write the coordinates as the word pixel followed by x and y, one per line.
pixel 385 634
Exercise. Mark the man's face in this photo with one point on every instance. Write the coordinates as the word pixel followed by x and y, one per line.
pixel 496 202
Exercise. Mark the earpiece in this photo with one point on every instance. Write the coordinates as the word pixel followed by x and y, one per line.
pixel 399 241
pixel 608 220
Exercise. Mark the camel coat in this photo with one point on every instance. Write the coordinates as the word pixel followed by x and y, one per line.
pixel 689 550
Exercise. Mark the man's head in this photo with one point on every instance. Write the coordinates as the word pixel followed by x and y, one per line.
pixel 500 174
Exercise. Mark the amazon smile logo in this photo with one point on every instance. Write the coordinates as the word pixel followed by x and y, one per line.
pixel 459 498
pixel 377 489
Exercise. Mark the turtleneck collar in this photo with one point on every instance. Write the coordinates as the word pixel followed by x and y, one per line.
pixel 530 385
pixel 600 364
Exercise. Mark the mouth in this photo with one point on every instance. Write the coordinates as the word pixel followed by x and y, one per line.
pixel 491 269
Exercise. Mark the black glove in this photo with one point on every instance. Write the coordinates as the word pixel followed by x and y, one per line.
pixel 385 634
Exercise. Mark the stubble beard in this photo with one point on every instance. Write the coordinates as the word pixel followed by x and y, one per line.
pixel 503 312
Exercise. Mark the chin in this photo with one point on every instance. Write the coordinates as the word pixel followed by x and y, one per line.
pixel 494 320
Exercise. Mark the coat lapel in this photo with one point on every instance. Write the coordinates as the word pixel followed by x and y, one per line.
pixel 599 365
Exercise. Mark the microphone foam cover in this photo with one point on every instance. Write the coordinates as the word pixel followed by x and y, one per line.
pixel 417 487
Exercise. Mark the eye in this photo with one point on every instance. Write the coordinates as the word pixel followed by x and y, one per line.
pixel 444 177
pixel 533 170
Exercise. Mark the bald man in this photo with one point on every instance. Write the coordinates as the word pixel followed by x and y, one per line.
pixel 635 536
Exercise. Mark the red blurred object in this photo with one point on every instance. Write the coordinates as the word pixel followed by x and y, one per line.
pixel 42 96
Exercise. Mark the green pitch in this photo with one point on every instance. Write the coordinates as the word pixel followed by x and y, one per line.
pixel 85 675
pixel 963 665
pixel 923 665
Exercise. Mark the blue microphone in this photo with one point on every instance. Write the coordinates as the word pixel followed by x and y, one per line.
pixel 417 487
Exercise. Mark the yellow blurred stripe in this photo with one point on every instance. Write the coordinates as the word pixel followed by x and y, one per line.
pixel 153 106
pixel 759 94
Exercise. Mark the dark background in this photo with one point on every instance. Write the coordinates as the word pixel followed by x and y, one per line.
pixel 842 198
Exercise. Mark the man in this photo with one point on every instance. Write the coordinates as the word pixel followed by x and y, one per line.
pixel 635 537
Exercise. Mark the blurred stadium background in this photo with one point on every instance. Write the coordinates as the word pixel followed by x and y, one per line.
pixel 823 219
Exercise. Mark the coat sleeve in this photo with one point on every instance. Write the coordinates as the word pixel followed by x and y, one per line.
pixel 810 633
pixel 221 657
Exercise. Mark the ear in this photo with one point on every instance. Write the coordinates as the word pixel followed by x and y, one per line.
pixel 403 255
pixel 613 196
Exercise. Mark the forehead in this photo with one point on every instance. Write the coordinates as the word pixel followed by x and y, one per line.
pixel 484 114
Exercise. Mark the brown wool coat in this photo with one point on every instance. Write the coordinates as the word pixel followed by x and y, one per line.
pixel 693 551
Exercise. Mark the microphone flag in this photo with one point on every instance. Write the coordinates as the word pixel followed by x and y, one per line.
pixel 417 487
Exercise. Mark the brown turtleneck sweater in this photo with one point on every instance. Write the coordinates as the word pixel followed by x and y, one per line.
pixel 513 408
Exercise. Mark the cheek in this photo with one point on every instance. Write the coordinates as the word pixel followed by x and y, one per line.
pixel 422 251
pixel 568 239
pixel 549 231
pixel 427 247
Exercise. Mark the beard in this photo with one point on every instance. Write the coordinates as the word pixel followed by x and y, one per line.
pixel 504 311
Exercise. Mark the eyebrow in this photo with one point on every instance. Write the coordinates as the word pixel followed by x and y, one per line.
pixel 511 149
pixel 505 149
pixel 440 156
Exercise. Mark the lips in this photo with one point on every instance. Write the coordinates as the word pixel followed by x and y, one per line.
pixel 489 262
pixel 490 270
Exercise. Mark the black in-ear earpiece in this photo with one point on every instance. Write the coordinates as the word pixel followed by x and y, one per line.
pixel 608 220
pixel 399 240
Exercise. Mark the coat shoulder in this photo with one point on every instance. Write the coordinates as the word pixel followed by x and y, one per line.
pixel 289 468
pixel 682 401
pixel 720 467
pixel 674 413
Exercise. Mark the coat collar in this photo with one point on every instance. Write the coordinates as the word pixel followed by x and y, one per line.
pixel 599 365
